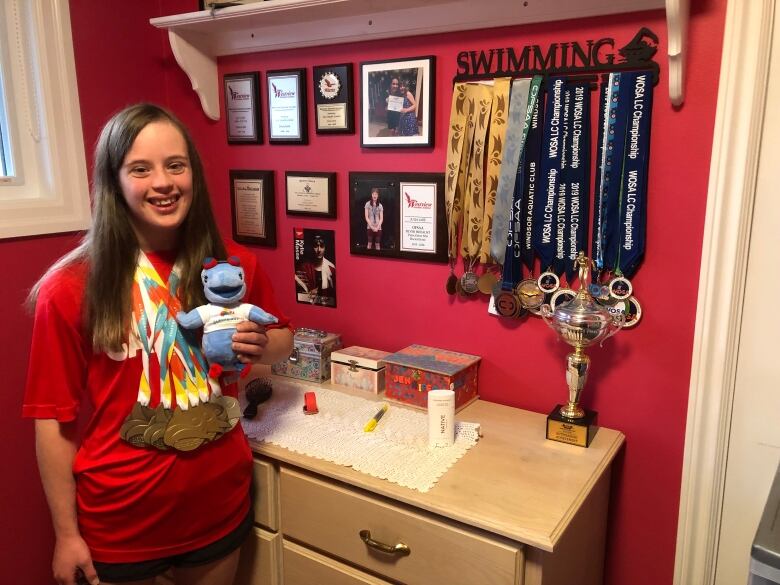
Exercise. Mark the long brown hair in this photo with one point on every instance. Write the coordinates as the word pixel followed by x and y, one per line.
pixel 110 247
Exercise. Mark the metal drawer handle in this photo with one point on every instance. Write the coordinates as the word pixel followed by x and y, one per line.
pixel 399 549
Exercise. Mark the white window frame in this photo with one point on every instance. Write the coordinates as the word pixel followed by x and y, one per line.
pixel 50 191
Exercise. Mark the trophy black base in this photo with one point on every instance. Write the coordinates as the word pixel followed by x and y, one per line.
pixel 574 431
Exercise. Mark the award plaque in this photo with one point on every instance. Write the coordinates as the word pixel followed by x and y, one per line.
pixel 287 121
pixel 242 108
pixel 333 103
pixel 581 322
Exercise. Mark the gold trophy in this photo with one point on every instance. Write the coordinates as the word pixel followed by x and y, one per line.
pixel 581 322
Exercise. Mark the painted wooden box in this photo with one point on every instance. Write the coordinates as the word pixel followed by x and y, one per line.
pixel 358 367
pixel 413 371
pixel 310 357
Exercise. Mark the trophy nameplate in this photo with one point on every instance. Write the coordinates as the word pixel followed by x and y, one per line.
pixel 574 431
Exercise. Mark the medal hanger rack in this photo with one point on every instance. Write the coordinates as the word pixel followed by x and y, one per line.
pixel 570 59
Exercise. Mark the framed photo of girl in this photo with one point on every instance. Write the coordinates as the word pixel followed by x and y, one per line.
pixel 397 102
pixel 398 215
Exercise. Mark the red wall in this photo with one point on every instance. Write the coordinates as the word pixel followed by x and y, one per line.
pixel 638 381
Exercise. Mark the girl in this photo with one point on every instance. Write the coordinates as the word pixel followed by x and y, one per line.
pixel 127 501
pixel 374 213
pixel 407 125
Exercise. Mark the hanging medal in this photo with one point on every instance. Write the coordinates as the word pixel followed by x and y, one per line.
pixel 502 246
pixel 545 206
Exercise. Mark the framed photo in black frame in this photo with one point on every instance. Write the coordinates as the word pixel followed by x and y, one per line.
pixel 315 266
pixel 334 110
pixel 252 207
pixel 310 193
pixel 398 215
pixel 397 102
pixel 242 108
pixel 287 120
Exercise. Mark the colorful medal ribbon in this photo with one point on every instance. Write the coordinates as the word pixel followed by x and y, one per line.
pixel 498 124
pixel 633 192
pixel 578 176
pixel 532 154
pixel 512 271
pixel 183 368
pixel 473 203
pixel 518 104
pixel 545 208
pixel 456 169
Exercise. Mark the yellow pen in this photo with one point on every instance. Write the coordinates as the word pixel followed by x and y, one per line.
pixel 371 425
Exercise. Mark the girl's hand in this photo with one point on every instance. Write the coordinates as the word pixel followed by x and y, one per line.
pixel 72 559
pixel 249 342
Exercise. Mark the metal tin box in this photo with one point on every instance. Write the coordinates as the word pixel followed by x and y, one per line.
pixel 359 367
pixel 413 371
pixel 310 358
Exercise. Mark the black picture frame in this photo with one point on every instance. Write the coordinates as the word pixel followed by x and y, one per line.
pixel 243 122
pixel 310 193
pixel 287 119
pixel 380 127
pixel 414 224
pixel 252 206
pixel 334 107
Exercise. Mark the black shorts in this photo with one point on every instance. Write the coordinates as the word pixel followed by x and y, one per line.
pixel 124 572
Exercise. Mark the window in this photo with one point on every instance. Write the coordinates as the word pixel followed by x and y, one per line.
pixel 43 182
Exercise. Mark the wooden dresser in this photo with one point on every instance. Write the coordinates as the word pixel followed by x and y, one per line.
pixel 515 510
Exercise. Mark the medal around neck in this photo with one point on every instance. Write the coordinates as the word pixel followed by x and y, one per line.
pixel 581 322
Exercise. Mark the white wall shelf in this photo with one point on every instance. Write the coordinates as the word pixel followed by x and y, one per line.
pixel 199 38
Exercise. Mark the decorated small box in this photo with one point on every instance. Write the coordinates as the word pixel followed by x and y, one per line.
pixel 413 371
pixel 310 357
pixel 359 367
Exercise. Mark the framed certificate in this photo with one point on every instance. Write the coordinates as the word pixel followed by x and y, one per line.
pixel 242 108
pixel 310 193
pixel 398 215
pixel 287 121
pixel 333 102
pixel 252 206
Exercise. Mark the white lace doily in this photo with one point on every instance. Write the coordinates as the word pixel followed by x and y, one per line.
pixel 397 450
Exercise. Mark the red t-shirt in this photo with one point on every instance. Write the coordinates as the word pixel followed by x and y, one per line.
pixel 133 503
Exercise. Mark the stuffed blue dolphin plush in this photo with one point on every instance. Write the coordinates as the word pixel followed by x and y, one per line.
pixel 224 286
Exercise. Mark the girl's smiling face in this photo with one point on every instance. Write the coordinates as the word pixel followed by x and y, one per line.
pixel 156 181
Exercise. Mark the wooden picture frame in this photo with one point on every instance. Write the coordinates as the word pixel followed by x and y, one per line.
pixel 413 218
pixel 252 206
pixel 310 193
pixel 388 89
pixel 242 108
pixel 287 119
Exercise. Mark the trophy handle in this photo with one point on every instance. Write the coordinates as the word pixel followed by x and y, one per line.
pixel 546 312
pixel 618 321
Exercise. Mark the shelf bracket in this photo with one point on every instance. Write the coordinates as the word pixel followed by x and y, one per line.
pixel 677 14
pixel 200 65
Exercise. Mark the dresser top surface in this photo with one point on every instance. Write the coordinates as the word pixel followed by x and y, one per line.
pixel 513 482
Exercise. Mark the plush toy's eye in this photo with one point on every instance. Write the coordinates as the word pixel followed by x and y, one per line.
pixel 241 275
pixel 205 278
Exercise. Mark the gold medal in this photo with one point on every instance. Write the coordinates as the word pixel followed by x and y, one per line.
pixel 633 312
pixel 529 293
pixel 486 282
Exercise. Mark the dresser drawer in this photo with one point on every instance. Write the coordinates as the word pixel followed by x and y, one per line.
pixel 330 517
pixel 305 567
pixel 259 560
pixel 265 487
